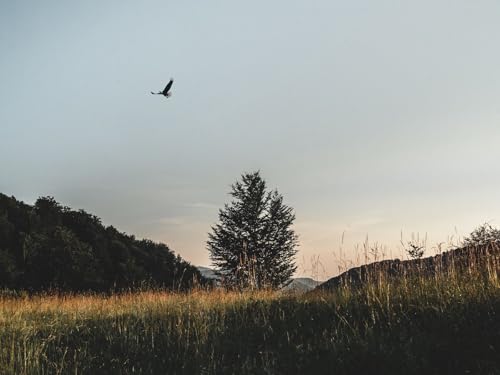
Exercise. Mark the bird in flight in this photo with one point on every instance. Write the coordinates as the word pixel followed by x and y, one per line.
pixel 166 90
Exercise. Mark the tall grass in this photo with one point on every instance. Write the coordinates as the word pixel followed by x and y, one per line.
pixel 448 323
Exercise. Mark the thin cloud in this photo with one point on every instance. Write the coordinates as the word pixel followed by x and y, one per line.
pixel 201 205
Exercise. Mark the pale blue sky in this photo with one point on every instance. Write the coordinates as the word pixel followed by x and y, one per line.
pixel 370 117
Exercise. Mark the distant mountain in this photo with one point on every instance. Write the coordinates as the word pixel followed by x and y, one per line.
pixel 456 260
pixel 207 273
pixel 300 284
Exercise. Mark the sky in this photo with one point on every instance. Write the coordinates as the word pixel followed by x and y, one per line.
pixel 373 119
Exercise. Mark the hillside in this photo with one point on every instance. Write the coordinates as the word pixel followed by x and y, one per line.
pixel 48 246
pixel 464 259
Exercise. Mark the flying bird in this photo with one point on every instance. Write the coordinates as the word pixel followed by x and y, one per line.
pixel 166 90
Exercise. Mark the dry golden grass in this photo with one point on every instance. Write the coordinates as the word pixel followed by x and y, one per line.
pixel 447 323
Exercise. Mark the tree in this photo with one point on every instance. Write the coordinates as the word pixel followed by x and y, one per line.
pixel 416 247
pixel 482 235
pixel 414 250
pixel 253 245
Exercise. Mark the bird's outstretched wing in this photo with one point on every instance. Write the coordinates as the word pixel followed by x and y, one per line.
pixel 168 86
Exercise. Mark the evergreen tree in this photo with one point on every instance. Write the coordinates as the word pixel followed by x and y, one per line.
pixel 254 246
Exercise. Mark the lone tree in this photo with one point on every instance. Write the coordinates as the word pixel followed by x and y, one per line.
pixel 254 246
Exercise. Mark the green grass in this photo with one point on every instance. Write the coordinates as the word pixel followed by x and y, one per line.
pixel 448 324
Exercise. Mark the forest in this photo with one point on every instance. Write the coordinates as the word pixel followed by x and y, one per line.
pixel 47 246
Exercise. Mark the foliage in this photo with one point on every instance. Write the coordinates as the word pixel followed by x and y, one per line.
pixel 48 246
pixel 254 245
pixel 482 235
pixel 414 250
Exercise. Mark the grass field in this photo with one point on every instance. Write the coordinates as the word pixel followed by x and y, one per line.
pixel 447 324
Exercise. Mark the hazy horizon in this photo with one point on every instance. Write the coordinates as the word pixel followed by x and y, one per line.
pixel 369 118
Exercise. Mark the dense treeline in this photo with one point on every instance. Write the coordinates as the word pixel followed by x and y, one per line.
pixel 48 246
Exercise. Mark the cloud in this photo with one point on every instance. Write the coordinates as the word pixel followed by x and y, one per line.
pixel 201 205
pixel 173 220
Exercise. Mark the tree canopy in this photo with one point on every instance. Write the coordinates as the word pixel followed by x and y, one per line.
pixel 254 245
pixel 48 246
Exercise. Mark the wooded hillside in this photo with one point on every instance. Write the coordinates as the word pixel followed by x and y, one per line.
pixel 49 246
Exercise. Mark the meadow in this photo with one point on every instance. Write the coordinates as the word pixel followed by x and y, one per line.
pixel 445 324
